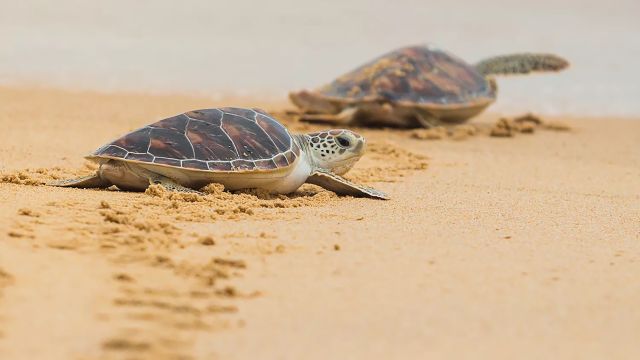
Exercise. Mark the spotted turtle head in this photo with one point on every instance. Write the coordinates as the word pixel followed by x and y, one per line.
pixel 335 150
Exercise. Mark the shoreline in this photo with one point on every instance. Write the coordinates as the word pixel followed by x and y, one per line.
pixel 267 99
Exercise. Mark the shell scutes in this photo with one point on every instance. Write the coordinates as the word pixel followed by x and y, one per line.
pixel 416 74
pixel 221 139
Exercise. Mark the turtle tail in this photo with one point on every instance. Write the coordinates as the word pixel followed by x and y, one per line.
pixel 521 64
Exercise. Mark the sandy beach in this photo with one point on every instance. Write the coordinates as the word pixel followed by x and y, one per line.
pixel 502 238
pixel 519 247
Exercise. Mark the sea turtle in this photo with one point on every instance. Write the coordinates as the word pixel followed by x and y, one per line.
pixel 416 86
pixel 237 147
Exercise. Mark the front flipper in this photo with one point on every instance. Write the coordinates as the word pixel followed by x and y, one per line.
pixel 342 186
pixel 171 185
pixel 91 181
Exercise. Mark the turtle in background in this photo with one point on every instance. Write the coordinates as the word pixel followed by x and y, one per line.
pixel 416 86
pixel 237 147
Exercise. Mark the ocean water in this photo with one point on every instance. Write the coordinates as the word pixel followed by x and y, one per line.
pixel 265 48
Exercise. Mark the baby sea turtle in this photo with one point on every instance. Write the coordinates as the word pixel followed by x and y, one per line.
pixel 416 86
pixel 237 147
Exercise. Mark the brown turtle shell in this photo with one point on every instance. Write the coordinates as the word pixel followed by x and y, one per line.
pixel 416 75
pixel 223 139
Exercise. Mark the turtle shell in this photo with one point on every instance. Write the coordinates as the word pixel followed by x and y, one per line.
pixel 223 139
pixel 420 75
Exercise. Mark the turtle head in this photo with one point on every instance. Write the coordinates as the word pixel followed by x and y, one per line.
pixel 335 150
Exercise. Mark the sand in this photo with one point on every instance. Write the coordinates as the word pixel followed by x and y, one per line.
pixel 524 245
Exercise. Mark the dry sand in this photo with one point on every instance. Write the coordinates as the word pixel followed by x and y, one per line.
pixel 523 246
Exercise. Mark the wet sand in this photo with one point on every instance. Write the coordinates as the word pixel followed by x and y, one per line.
pixel 525 247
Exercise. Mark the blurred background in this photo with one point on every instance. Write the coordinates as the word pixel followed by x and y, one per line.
pixel 265 48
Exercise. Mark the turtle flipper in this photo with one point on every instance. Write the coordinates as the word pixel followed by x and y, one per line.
pixel 171 185
pixel 427 121
pixel 521 64
pixel 345 117
pixel 90 181
pixel 342 186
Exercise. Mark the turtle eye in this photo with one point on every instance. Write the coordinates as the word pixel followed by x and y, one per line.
pixel 343 141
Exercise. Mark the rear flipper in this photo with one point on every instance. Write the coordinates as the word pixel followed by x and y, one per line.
pixel 90 181
pixel 345 117
pixel 171 185
pixel 427 121
pixel 95 181
pixel 342 186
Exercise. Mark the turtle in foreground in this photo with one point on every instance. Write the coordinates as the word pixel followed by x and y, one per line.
pixel 237 147
pixel 416 86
